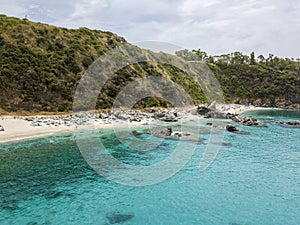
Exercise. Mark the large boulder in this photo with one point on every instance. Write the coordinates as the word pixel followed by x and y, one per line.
pixel 233 129
pixel 170 118
pixel 202 110
pixel 167 132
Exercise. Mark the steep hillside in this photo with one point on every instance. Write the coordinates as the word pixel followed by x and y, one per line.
pixel 261 81
pixel 41 66
pixel 259 85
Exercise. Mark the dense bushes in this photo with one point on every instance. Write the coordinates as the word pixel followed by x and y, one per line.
pixel 41 65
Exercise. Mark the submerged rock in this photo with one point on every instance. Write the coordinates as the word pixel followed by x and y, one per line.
pixel 223 144
pixel 32 223
pixel 115 218
pixel 291 124
pixel 181 134
pixel 53 194
pixel 167 132
pixel 9 204
pixel 136 133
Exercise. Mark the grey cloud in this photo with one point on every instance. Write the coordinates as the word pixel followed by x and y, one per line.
pixel 217 26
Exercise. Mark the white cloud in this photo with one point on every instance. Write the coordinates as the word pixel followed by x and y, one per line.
pixel 192 7
pixel 88 8
pixel 217 26
pixel 13 8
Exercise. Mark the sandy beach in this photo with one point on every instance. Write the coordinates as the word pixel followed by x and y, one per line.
pixel 17 129
pixel 27 127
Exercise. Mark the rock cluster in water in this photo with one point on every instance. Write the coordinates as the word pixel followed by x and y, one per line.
pixel 233 129
pixel 246 121
pixel 292 124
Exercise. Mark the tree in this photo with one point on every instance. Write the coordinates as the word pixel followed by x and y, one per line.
pixel 223 59
pixel 261 59
pixel 298 65
pixel 211 59
pixel 183 54
pixel 238 58
pixel 200 55
pixel 269 60
pixel 252 58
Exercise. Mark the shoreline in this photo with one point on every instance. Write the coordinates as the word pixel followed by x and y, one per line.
pixel 19 128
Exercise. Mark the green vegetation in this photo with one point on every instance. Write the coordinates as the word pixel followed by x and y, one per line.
pixel 270 81
pixel 41 65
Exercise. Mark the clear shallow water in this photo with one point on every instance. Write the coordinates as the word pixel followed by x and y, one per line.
pixel 268 114
pixel 254 181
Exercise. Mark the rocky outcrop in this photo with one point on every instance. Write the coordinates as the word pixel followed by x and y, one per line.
pixel 233 129
pixel 167 115
pixel 136 133
pixel 202 110
pixel 222 144
pixel 246 121
pixel 211 112
pixel 167 132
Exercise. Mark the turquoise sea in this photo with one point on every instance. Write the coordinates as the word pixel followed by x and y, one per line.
pixel 255 179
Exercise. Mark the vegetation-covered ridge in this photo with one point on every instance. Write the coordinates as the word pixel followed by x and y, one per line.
pixel 41 66
pixel 262 81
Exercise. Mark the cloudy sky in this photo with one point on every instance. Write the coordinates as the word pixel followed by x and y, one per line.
pixel 216 26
